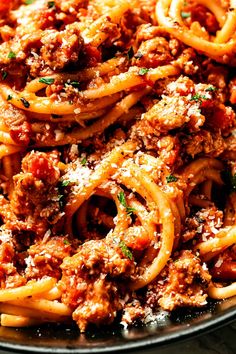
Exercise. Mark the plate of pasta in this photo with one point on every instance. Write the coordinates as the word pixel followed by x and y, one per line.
pixel 118 169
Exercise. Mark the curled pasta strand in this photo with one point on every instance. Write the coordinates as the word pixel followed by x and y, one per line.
pixel 128 80
pixel 45 105
pixel 18 321
pixel 150 191
pixel 93 35
pixel 81 76
pixel 222 292
pixel 224 239
pixel 30 289
pixel 229 27
pixel 213 50
pixel 107 167
pixel 100 125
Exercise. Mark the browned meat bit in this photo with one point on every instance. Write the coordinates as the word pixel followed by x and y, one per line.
pixel 153 52
pixel 147 10
pixel 16 121
pixel 21 48
pixel 211 144
pixel 36 199
pixel 71 6
pixel 201 14
pixel 221 118
pixel 8 216
pixel 45 257
pixel 182 283
pixel 204 224
pixel 217 75
pixel 174 112
pixel 168 150
pixel 9 276
pixel 147 31
pixel 93 280
pixel 42 166
pixel 61 48
pixel 133 311
pixel 42 51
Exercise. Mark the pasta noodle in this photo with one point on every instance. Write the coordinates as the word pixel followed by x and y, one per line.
pixel 118 164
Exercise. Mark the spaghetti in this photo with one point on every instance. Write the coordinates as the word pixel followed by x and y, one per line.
pixel 117 149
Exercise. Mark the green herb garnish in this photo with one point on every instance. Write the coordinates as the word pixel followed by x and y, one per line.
pixel 4 75
pixel 74 84
pixel 125 250
pixel 11 55
pixel 211 89
pixel 25 102
pixel 197 97
pixel 61 200
pixel 47 80
pixel 9 97
pixel 29 2
pixel 171 178
pixel 65 183
pixel 51 4
pixel 83 161
pixel 143 71
pixel 122 200
pixel 66 242
pixel 185 14
pixel 130 53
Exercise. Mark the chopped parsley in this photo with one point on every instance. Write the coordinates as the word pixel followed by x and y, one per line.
pixel 66 242
pixel 51 4
pixel 74 84
pixel 25 102
pixel 197 97
pixel 171 178
pixel 11 55
pixel 46 80
pixel 185 14
pixel 122 200
pixel 125 250
pixel 121 197
pixel 211 89
pixel 143 71
pixel 130 53
pixel 9 97
pixel 83 161
pixel 65 183
pixel 61 200
pixel 129 210
pixel 4 75
pixel 29 2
